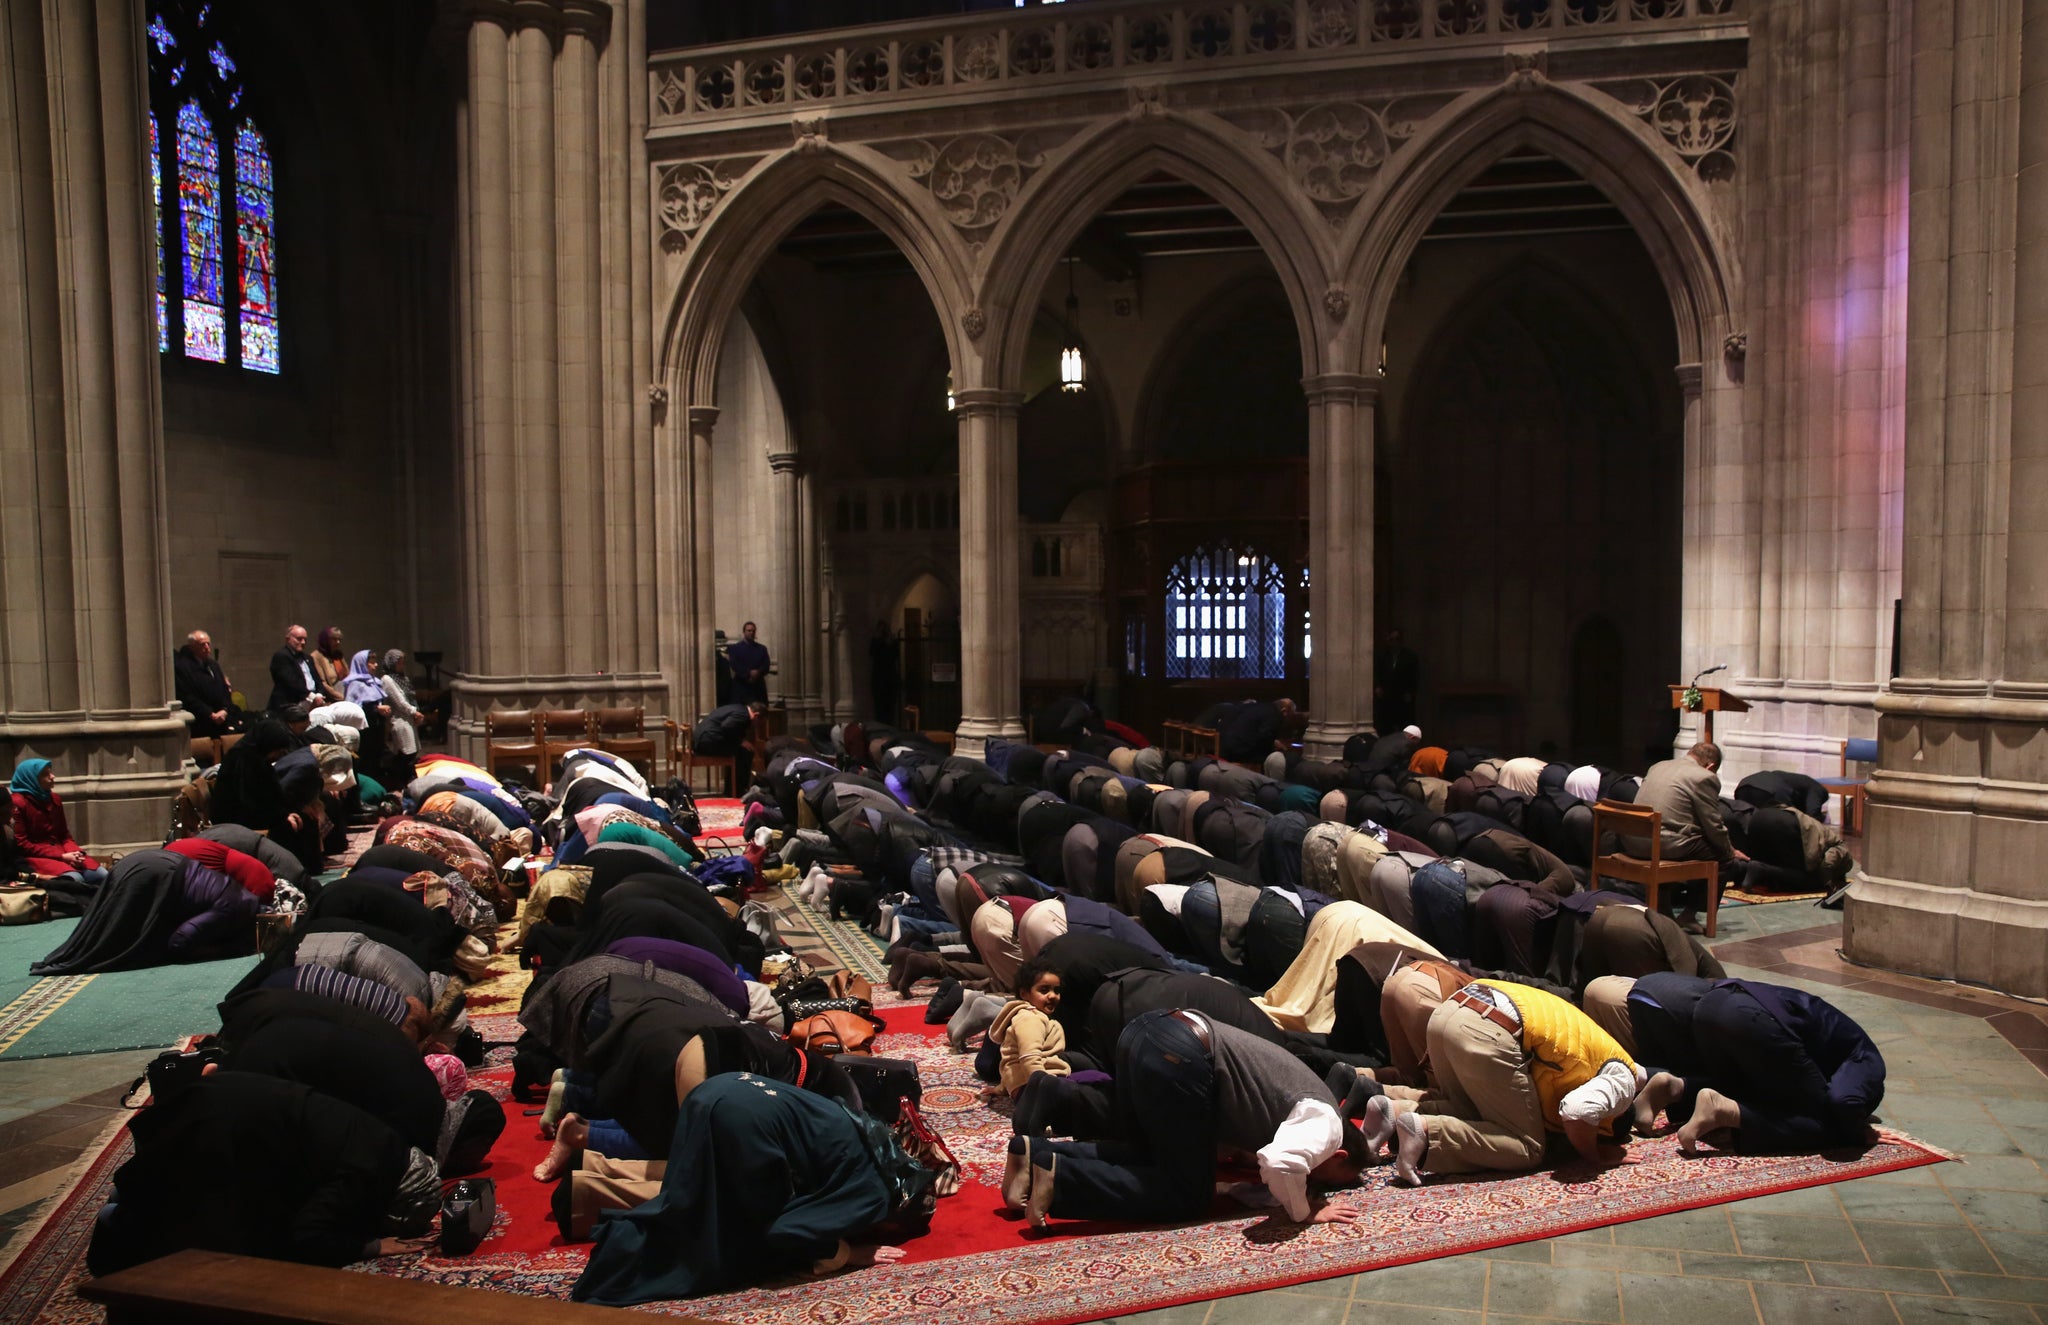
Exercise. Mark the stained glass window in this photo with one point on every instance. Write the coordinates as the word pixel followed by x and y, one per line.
pixel 216 306
pixel 156 192
pixel 257 258
pixel 1226 615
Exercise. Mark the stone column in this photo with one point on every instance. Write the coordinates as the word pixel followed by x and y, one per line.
pixel 701 645
pixel 1341 410
pixel 553 421
pixel 1958 807
pixel 840 694
pixel 85 630
pixel 991 675
pixel 780 624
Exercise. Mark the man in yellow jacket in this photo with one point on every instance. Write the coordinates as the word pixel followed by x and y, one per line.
pixel 1511 1064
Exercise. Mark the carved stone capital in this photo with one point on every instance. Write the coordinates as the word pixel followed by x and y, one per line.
pixel 1342 388
pixel 979 400
pixel 784 462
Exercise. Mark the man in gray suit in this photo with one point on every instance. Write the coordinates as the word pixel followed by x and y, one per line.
pixel 1686 794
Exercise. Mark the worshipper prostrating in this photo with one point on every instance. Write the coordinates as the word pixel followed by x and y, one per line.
pixel 1186 1085
pixel 1511 1064
pixel 193 901
pixel 251 1165
pixel 762 1180
pixel 1772 1068
pixel 42 835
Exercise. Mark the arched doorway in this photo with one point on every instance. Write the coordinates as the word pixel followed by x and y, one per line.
pixel 1532 478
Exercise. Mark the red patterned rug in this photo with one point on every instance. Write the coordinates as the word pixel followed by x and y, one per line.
pixel 979 1262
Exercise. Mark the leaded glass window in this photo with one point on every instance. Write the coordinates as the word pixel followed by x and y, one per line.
pixel 1226 615
pixel 214 177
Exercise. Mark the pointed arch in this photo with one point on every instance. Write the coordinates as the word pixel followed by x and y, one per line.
pixel 1092 173
pixel 1651 187
pixel 754 217
pixel 1228 301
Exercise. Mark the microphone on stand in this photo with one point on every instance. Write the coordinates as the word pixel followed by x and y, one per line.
pixel 1708 671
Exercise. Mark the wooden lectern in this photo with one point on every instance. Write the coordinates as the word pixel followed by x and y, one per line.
pixel 1712 701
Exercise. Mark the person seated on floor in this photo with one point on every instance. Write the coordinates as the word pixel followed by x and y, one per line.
pixel 761 1181
pixel 41 832
pixel 249 791
pixel 203 690
pixel 1032 1044
pixel 65 886
pixel 1686 794
pixel 1187 1085
pixel 1769 1068
pixel 252 1165
pixel 197 903
pixel 1511 1064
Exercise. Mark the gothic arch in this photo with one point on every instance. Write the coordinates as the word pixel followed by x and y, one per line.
pixel 1227 302
pixel 753 218
pixel 1651 187
pixel 1103 163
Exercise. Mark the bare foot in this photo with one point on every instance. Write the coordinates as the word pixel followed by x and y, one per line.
pixel 1411 1144
pixel 1712 1112
pixel 1656 1097
pixel 570 1137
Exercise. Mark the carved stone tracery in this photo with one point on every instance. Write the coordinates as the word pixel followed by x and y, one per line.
pixel 976 177
pixel 686 194
pixel 1697 115
pixel 1334 152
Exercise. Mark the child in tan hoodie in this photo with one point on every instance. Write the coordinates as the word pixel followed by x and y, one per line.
pixel 1032 1042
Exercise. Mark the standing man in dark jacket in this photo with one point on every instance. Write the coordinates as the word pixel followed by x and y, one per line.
pixel 884 674
pixel 749 661
pixel 291 673
pixel 1397 681
pixel 203 690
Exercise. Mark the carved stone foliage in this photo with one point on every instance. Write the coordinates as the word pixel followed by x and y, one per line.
pixel 976 177
pixel 1334 152
pixel 685 195
pixel 1695 114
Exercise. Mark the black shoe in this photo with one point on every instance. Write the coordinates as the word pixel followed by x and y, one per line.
pixel 945 1002
pixel 1353 1091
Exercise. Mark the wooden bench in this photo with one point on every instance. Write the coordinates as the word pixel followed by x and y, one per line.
pixel 213 1288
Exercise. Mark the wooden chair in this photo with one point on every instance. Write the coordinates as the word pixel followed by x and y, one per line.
pixel 206 751
pixel 563 730
pixel 1851 790
pixel 683 762
pixel 1627 821
pixel 512 736
pixel 623 732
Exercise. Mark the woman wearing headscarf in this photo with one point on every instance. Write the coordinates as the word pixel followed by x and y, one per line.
pixel 41 833
pixel 404 708
pixel 328 666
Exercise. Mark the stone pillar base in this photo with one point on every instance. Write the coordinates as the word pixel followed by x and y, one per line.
pixel 1951 886
pixel 971 738
pixel 475 696
pixel 117 773
pixel 1321 740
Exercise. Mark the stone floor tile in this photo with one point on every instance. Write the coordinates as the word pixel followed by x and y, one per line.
pixel 2016 1212
pixel 1789 1304
pixel 1655 1297
pixel 1809 1201
pixel 2011 1288
pixel 1878 1278
pixel 1798 1236
pixel 1927 1246
pixel 1192 1313
pixel 1384 1313
pixel 1592 1255
pixel 1525 1253
pixel 1897 1203
pixel 1265 1308
pixel 1535 1290
pixel 1337 1287
pixel 1744 1267
pixel 1691 1230
pixel 1933 1310
pixel 2013 1173
pixel 2018 1253
pixel 1457 1281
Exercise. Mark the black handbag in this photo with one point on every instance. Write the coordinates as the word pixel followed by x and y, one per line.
pixel 883 1084
pixel 467 1209
pixel 800 1008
